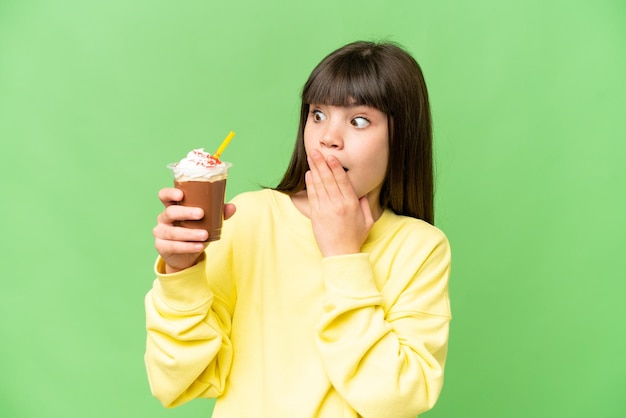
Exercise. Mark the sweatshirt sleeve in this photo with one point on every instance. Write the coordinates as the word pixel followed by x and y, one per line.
pixel 384 351
pixel 188 351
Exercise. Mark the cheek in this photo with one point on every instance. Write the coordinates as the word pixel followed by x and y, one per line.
pixel 380 159
pixel 381 168
pixel 375 167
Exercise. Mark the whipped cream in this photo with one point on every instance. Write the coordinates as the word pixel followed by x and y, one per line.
pixel 199 165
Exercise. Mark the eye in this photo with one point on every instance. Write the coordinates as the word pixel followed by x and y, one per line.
pixel 360 122
pixel 317 115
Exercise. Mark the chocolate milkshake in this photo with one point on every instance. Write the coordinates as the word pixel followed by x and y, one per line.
pixel 202 178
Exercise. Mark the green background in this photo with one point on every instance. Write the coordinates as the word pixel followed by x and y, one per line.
pixel 528 99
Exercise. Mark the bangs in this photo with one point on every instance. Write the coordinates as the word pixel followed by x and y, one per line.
pixel 351 80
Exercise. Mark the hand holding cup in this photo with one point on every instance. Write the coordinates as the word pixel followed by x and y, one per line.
pixel 181 247
pixel 200 186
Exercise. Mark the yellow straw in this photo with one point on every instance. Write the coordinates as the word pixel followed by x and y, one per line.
pixel 225 142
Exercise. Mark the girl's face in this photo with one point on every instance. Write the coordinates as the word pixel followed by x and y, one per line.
pixel 358 137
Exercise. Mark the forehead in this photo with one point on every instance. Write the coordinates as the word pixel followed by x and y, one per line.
pixel 342 85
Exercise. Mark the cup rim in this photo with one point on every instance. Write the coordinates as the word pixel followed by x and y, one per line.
pixel 226 165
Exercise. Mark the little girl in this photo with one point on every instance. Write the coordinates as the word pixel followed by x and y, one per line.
pixel 328 295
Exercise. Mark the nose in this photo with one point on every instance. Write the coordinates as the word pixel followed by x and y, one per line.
pixel 332 137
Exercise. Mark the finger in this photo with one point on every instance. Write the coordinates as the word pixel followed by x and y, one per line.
pixel 179 234
pixel 321 170
pixel 170 196
pixel 229 210
pixel 310 188
pixel 316 190
pixel 367 211
pixel 333 177
pixel 167 247
pixel 176 213
pixel 322 176
pixel 341 178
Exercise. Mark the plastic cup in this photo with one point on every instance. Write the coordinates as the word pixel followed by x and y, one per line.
pixel 208 194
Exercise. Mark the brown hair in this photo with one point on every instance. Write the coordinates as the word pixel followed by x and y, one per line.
pixel 384 76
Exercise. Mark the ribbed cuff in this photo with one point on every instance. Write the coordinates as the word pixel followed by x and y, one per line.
pixel 184 290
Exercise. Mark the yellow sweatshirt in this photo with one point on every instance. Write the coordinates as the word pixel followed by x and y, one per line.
pixel 270 328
